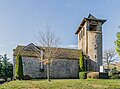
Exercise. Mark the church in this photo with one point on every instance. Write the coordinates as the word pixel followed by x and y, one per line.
pixel 66 65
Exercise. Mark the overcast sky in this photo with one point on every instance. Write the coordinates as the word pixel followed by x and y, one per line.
pixel 21 20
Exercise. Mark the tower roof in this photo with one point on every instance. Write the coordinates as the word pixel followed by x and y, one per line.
pixel 89 18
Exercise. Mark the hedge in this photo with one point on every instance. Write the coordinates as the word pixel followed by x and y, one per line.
pixel 19 68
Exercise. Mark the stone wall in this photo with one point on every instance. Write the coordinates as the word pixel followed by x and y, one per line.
pixel 92 51
pixel 60 68
pixel 95 48
pixel 99 49
pixel 82 41
pixel 91 45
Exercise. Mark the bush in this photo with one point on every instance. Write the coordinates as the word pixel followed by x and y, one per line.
pixel 116 76
pixel 27 77
pixel 93 75
pixel 114 73
pixel 19 68
pixel 83 75
pixel 81 62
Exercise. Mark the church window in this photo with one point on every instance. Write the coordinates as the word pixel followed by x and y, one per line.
pixel 41 62
pixel 92 28
pixel 95 46
pixel 41 67
pixel 95 56
pixel 83 31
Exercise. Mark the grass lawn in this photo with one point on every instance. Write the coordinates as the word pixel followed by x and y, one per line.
pixel 62 84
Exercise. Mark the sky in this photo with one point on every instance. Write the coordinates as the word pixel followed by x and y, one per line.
pixel 22 20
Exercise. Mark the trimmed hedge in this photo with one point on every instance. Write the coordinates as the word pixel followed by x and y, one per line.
pixel 83 75
pixel 19 68
pixel 81 62
pixel 93 75
pixel 97 75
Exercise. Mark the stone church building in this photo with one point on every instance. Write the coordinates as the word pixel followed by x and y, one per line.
pixel 66 65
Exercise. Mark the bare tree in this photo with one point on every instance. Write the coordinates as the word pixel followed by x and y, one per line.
pixel 49 44
pixel 108 57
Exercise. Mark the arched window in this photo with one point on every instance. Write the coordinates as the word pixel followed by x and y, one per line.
pixel 95 46
pixel 83 31
pixel 41 61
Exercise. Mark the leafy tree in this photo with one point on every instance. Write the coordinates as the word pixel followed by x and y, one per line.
pixel 6 68
pixel 117 43
pixel 82 65
pixel 19 68
pixel 0 70
pixel 0 66
pixel 10 70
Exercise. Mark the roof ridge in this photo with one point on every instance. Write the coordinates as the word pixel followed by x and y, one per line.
pixel 91 16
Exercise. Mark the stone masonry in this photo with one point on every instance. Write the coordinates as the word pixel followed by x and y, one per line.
pixel 60 68
pixel 90 41
pixel 67 63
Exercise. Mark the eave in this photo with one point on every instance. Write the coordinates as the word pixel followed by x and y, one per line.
pixel 81 25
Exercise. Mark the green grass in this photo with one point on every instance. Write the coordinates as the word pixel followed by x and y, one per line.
pixel 63 84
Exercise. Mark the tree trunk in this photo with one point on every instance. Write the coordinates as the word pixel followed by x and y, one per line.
pixel 48 72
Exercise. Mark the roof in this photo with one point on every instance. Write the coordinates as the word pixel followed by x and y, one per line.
pixel 65 52
pixel 90 17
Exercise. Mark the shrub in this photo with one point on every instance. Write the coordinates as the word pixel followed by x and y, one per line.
pixel 19 68
pixel 83 75
pixel 27 77
pixel 81 62
pixel 114 73
pixel 93 75
pixel 116 76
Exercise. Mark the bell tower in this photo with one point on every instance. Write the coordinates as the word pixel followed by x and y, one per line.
pixel 90 41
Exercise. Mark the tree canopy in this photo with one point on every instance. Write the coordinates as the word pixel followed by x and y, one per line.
pixel 6 68
pixel 117 43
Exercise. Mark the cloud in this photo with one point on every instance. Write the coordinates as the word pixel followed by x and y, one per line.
pixel 69 46
pixel 72 46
